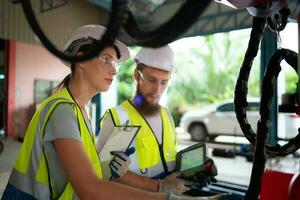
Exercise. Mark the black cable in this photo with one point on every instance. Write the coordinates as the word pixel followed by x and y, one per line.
pixel 170 30
pixel 241 90
pixel 116 20
pixel 271 74
pixel 291 58
pixel 240 102
pixel 15 1
pixel 263 126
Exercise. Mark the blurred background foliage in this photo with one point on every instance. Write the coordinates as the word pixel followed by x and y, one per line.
pixel 207 71
pixel 291 80
pixel 126 87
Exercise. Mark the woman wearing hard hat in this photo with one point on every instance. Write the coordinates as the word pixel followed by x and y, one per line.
pixel 58 158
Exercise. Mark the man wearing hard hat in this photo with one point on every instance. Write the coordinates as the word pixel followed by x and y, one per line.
pixel 155 141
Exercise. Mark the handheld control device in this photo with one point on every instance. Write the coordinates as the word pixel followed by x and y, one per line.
pixel 190 161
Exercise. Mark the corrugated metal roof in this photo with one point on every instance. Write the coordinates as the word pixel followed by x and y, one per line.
pixel 150 14
pixel 57 23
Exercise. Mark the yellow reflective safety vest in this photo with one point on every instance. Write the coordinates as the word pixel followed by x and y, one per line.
pixel 150 158
pixel 30 175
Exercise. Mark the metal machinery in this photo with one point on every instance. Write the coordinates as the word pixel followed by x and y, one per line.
pixel 263 12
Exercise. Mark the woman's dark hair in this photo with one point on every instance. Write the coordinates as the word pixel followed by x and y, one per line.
pixel 140 66
pixel 84 48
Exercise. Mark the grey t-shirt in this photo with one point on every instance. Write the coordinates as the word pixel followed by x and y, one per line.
pixel 61 124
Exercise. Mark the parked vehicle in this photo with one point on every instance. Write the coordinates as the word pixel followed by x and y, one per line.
pixel 220 119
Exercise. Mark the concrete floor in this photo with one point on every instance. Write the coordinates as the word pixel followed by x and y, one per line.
pixel 7 160
pixel 236 170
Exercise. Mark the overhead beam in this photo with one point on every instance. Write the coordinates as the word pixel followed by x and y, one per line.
pixel 47 5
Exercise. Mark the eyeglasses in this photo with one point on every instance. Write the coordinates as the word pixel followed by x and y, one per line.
pixel 153 81
pixel 109 62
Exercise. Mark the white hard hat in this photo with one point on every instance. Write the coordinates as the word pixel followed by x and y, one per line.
pixel 160 58
pixel 88 32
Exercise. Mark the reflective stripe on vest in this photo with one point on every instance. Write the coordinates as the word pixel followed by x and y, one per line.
pixel 148 159
pixel 30 173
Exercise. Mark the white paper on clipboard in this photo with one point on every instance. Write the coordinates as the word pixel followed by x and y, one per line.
pixel 119 140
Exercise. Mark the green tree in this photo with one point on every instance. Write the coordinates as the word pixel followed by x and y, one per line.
pixel 291 80
pixel 208 74
pixel 205 74
pixel 125 78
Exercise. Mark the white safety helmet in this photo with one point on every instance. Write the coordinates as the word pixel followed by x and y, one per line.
pixel 160 58
pixel 85 35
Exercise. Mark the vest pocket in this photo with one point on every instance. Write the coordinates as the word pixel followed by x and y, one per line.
pixel 148 152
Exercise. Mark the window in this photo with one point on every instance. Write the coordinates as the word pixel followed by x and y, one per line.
pixel 226 108
pixel 43 89
pixel 253 106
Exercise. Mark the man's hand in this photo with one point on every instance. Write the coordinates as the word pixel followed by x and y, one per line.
pixel 120 163
pixel 173 184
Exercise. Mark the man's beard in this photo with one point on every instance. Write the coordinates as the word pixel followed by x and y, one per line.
pixel 143 106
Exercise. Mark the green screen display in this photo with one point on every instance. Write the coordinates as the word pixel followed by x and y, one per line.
pixel 191 159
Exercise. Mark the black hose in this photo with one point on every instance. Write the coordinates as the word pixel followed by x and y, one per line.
pixel 270 76
pixel 259 160
pixel 241 90
pixel 116 20
pixel 169 31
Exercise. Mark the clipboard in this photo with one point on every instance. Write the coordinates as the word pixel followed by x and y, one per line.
pixel 120 139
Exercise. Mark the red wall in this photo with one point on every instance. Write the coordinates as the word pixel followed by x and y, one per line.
pixel 32 62
pixel 9 86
